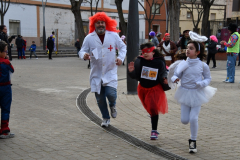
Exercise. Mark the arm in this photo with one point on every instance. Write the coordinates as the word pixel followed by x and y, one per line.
pixel 179 70
pixel 234 39
pixel 174 48
pixel 207 77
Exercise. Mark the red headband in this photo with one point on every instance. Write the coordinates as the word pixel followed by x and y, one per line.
pixel 166 34
pixel 147 50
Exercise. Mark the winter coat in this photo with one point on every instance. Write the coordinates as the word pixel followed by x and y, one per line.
pixel 19 42
pixel 33 48
pixel 212 47
pixel 50 44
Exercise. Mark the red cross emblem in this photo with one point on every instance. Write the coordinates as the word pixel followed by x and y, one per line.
pixel 110 48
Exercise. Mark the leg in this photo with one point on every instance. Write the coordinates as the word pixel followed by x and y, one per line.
pixel 111 94
pixel 239 59
pixel 19 53
pixel 102 103
pixel 35 54
pixel 154 133
pixel 214 60
pixel 185 113
pixel 31 54
pixel 228 66
pixel 194 122
pixel 232 61
pixel 208 58
pixel 5 103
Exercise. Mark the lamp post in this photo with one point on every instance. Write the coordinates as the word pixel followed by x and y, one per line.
pixel 132 42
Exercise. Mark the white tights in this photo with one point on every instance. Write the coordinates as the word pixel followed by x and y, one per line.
pixel 190 114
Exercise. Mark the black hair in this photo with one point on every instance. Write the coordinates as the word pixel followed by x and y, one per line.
pixel 202 54
pixel 53 32
pixel 2 27
pixel 3 46
pixel 33 41
pixel 232 27
pixel 157 53
pixel 50 37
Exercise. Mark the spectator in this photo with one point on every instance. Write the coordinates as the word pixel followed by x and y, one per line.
pixel 184 40
pixel 77 45
pixel 50 46
pixel 154 39
pixel 4 37
pixel 32 50
pixel 19 43
pixel 212 50
pixel 24 47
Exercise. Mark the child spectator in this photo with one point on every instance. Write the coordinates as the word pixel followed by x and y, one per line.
pixel 32 50
pixel 5 90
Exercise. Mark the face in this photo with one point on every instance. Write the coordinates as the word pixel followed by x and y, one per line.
pixel 148 55
pixel 167 38
pixel 100 27
pixel 191 51
pixel 4 53
pixel 5 30
pixel 77 39
pixel 186 34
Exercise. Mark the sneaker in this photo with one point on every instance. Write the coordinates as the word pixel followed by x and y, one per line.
pixel 192 146
pixel 154 135
pixel 113 112
pixel 36 58
pixel 105 122
pixel 225 81
pixel 7 135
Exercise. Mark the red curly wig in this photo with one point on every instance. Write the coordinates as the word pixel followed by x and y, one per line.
pixel 111 24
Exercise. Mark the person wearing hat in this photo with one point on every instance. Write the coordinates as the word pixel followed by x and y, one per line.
pixel 99 46
pixel 232 52
pixel 154 39
pixel 168 48
pixel 184 40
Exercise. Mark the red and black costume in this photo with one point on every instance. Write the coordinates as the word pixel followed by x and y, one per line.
pixel 150 91
pixel 5 93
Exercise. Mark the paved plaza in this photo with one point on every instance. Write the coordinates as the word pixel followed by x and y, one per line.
pixel 48 125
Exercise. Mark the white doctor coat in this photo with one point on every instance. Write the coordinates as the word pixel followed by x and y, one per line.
pixel 103 56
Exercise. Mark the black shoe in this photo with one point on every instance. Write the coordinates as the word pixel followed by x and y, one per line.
pixel 192 146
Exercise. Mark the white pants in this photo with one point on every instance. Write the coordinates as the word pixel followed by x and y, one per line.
pixel 190 114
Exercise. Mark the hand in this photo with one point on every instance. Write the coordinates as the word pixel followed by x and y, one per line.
pixel 7 57
pixel 118 61
pixel 165 80
pixel 176 80
pixel 131 66
pixel 222 42
pixel 86 56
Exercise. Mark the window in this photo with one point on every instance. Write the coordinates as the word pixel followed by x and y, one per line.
pixel 157 8
pixel 213 16
pixel 236 5
pixel 14 27
pixel 189 15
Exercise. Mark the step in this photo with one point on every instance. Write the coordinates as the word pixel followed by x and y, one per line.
pixel 46 56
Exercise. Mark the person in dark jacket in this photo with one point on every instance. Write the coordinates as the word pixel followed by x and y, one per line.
pixel 184 40
pixel 50 46
pixel 19 43
pixel 212 50
pixel 77 45
pixel 4 37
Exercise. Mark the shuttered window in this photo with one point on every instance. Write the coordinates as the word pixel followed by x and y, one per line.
pixel 236 5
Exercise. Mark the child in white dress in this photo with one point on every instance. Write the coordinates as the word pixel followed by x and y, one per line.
pixel 194 90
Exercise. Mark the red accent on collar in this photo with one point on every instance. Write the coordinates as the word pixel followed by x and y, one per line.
pixel 148 50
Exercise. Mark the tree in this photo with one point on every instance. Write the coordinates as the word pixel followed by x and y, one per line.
pixel 4 8
pixel 91 2
pixel 205 21
pixel 75 7
pixel 121 18
pixel 152 12
pixel 200 10
pixel 174 11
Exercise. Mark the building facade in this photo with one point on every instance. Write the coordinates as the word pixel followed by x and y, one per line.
pixel 25 17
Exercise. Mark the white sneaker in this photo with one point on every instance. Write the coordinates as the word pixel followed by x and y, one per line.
pixel 113 111
pixel 7 135
pixel 36 58
pixel 105 122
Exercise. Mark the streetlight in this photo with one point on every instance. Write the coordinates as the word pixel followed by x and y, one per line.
pixel 132 42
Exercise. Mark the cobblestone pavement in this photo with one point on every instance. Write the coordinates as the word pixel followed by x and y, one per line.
pixel 48 125
pixel 45 118
pixel 219 122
